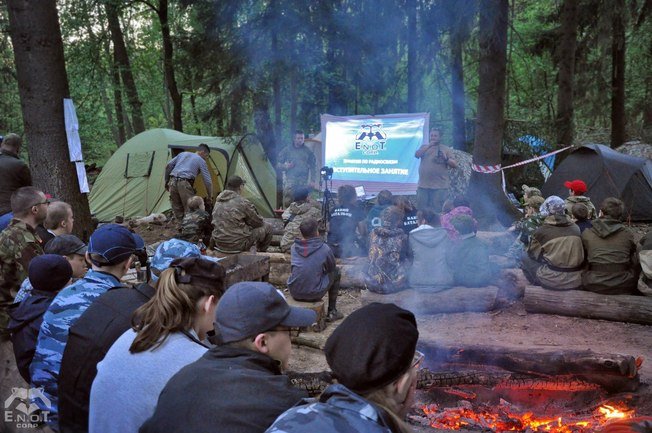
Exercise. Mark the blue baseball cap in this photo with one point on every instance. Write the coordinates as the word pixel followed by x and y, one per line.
pixel 49 272
pixel 249 308
pixel 114 243
pixel 172 249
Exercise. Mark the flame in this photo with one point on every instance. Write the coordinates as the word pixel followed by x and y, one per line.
pixel 503 418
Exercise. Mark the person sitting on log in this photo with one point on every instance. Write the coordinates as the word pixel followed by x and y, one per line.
pixel 314 272
pixel 461 206
pixel 610 252
pixel 238 385
pixel 384 200
pixel 531 221
pixel 555 255
pixel 347 228
pixel 376 381
pixel 410 220
pixel 580 214
pixel 428 247
pixel 645 259
pixel 576 189
pixel 468 258
pixel 388 247
pixel 301 209
pixel 196 223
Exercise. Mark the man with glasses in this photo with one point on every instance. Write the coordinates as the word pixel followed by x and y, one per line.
pixel 19 244
pixel 373 356
pixel 238 385
pixel 110 251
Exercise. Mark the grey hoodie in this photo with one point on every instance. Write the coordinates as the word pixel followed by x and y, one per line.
pixel 429 247
pixel 312 261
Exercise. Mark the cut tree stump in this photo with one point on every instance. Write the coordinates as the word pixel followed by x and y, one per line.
pixel 318 307
pixel 579 303
pixel 454 300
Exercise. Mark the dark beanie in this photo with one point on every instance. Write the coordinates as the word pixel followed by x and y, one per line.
pixel 372 347
pixel 49 272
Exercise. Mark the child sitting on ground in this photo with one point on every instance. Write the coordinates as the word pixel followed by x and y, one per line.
pixel 196 223
pixel 581 216
pixel 314 272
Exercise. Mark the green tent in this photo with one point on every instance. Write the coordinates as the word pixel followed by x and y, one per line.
pixel 132 181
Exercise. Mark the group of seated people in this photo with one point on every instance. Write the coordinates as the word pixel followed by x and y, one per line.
pixel 566 245
pixel 182 352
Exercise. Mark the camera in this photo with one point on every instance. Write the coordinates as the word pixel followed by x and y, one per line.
pixel 326 172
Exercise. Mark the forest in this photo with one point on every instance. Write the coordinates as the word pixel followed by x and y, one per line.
pixel 487 71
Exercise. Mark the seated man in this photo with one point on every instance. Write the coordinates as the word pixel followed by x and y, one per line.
pixel 110 251
pixel 428 247
pixel 347 228
pixel 468 257
pixel 301 209
pixel 576 189
pixel 410 221
pixel 196 223
pixel 610 252
pixel 313 270
pixel 238 385
pixel 384 200
pixel 374 358
pixel 50 273
pixel 237 226
pixel 645 258
pixel 555 255
pixel 388 247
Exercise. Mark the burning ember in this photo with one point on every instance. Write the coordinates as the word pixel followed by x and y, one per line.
pixel 506 418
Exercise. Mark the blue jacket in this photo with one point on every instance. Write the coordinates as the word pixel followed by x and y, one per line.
pixel 312 261
pixel 339 410
pixel 26 318
pixel 64 312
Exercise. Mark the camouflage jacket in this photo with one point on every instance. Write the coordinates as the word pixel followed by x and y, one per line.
pixel 293 216
pixel 387 272
pixel 303 163
pixel 19 244
pixel 196 225
pixel 233 219
pixel 64 312
pixel 528 225
pixel 339 410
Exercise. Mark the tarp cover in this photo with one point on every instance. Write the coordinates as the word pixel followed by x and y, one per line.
pixel 607 173
pixel 132 181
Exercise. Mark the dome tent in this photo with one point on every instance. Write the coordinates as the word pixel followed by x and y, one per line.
pixel 132 182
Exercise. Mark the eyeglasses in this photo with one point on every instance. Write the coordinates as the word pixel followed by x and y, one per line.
pixel 417 360
pixel 293 332
pixel 47 201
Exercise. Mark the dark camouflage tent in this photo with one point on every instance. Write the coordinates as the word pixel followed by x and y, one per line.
pixel 607 173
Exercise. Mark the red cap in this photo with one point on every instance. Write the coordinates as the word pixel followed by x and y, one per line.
pixel 578 186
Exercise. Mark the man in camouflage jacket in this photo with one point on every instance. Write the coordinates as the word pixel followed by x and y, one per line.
pixel 110 251
pixel 298 163
pixel 237 224
pixel 19 244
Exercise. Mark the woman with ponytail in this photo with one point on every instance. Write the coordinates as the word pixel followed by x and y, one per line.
pixel 168 333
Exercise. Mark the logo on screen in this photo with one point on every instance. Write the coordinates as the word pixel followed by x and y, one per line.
pixel 371 139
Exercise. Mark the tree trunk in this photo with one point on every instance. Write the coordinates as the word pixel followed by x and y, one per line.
pixel 457 89
pixel 168 66
pixel 263 124
pixel 294 96
pixel 491 204
pixel 453 300
pixel 122 62
pixel 117 103
pixel 412 81
pixel 618 74
pixel 276 91
pixel 566 74
pixel 42 85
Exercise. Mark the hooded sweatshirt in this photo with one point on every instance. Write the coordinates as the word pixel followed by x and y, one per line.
pixel 610 249
pixel 429 248
pixel 312 261
pixel 571 200
pixel 293 216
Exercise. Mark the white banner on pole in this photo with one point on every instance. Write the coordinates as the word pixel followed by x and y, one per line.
pixel 74 143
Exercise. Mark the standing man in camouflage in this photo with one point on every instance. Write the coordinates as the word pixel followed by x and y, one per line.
pixel 180 174
pixel 298 163
pixel 14 173
pixel 19 244
pixel 110 251
pixel 237 224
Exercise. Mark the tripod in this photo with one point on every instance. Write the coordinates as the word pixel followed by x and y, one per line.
pixel 327 199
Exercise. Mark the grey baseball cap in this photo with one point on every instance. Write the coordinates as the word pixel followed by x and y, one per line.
pixel 250 308
pixel 65 245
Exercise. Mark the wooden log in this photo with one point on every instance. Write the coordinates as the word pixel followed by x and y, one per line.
pixel 276 257
pixel 318 307
pixel 498 242
pixel 277 225
pixel 579 303
pixel 352 276
pixel 454 300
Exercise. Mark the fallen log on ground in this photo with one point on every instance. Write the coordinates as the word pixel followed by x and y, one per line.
pixel 579 303
pixel 352 276
pixel 454 300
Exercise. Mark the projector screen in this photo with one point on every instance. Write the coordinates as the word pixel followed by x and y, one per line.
pixel 376 152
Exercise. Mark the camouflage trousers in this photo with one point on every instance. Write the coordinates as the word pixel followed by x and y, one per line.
pixel 181 190
pixel 261 237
